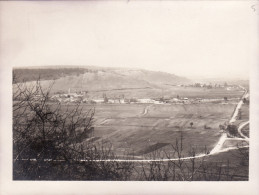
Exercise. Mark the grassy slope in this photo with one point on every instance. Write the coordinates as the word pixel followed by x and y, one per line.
pixel 169 92
pixel 117 82
pixel 133 88
pixel 244 115
pixel 98 79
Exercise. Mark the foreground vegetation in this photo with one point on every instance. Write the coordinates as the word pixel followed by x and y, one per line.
pixel 53 143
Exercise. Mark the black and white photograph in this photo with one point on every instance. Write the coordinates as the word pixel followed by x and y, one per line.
pixel 129 91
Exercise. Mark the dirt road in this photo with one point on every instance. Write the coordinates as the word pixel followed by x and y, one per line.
pixel 217 149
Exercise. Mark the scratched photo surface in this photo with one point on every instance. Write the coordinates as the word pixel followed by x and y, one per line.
pixel 129 91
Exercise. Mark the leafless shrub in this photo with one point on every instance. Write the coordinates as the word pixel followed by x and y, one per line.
pixel 193 168
pixel 49 140
pixel 52 141
pixel 242 153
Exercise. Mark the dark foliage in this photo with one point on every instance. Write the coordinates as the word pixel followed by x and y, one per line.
pixel 54 142
pixel 26 74
pixel 232 129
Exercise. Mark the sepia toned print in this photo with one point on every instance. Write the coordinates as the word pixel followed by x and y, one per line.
pixel 90 123
pixel 112 97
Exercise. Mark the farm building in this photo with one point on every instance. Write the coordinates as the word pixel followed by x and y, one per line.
pixel 98 100
pixel 146 101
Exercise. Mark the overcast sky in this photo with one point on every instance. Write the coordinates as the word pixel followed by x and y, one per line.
pixel 211 39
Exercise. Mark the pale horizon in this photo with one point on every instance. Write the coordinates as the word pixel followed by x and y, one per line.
pixel 201 39
pixel 195 77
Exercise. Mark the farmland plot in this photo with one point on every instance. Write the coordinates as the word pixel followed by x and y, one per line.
pixel 243 115
pixel 131 130
pixel 133 89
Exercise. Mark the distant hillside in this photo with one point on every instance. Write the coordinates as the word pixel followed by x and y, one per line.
pixel 230 81
pixel 98 79
pixel 46 73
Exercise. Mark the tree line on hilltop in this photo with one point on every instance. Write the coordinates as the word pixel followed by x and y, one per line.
pixel 27 74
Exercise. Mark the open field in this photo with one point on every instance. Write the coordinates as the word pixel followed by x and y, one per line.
pixel 225 166
pixel 244 115
pixel 143 132
pixel 245 130
pixel 235 162
pixel 143 129
pixel 170 92
pixel 234 143
pixel 135 89
pixel 245 112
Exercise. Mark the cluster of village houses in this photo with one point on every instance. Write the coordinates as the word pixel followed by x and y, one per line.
pixel 80 98
pixel 210 86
